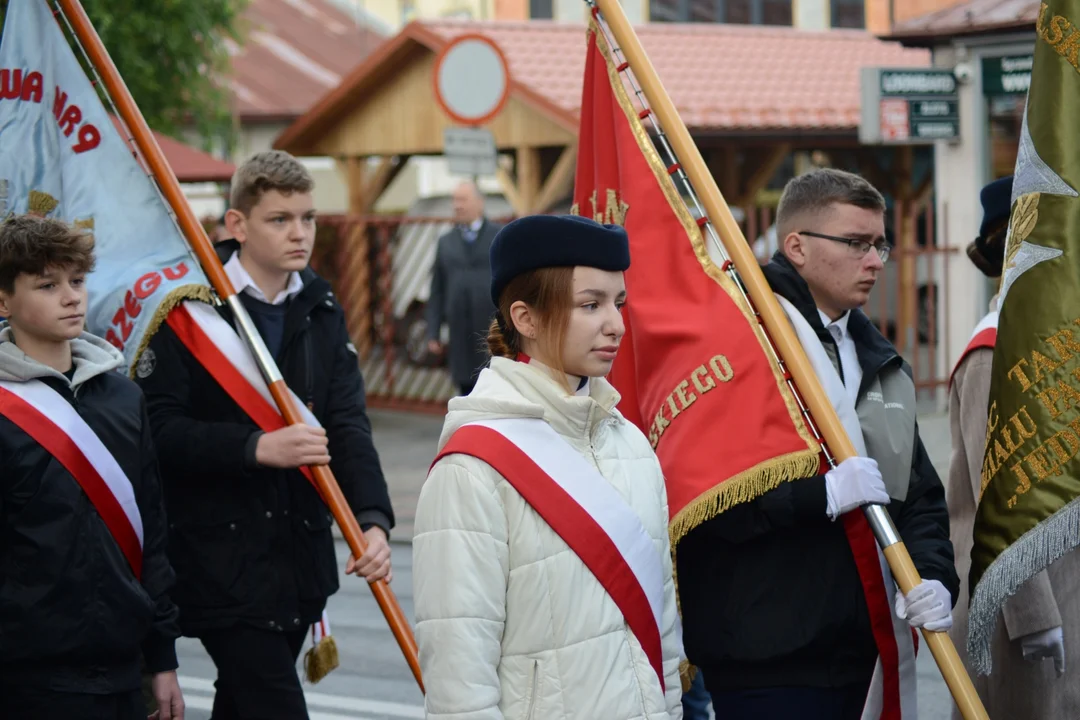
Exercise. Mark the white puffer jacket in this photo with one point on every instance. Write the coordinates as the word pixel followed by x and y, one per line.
pixel 510 622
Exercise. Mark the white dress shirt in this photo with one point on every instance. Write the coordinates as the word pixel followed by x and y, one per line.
pixel 472 231
pixel 243 283
pixel 849 358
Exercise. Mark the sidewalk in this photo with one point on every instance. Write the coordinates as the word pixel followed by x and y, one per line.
pixel 406 444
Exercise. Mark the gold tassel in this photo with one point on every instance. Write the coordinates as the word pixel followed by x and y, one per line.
pixel 321 660
pixel 41 203
pixel 687 673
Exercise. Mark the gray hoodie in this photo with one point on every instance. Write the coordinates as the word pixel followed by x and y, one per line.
pixel 91 355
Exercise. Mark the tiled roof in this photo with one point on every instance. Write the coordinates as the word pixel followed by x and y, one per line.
pixel 294 52
pixel 723 78
pixel 188 164
pixel 975 16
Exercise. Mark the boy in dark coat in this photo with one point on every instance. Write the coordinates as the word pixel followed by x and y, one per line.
pixel 83 571
pixel 249 535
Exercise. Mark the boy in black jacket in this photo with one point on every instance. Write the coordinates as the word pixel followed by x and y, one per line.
pixel 83 572
pixel 249 535
pixel 774 609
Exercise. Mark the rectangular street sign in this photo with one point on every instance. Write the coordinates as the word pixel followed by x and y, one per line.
pixel 1008 75
pixel 470 151
pixel 908 106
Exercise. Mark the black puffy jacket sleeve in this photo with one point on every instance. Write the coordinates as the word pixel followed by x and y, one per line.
pixel 923 522
pixel 353 458
pixel 159 646
pixel 190 446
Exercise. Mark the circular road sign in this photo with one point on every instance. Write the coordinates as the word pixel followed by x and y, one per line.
pixel 472 79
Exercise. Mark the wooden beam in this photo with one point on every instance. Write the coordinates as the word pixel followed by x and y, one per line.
pixel 924 191
pixel 528 177
pixel 375 181
pixel 354 180
pixel 763 174
pixel 509 190
pixel 559 180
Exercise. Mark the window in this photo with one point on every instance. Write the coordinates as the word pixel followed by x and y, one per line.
pixel 541 10
pixel 776 12
pixel 849 14
pixel 735 12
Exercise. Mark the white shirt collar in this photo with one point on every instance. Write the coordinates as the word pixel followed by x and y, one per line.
pixel 475 224
pixel 242 282
pixel 841 322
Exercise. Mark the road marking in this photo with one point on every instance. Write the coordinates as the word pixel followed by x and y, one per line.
pixel 319 700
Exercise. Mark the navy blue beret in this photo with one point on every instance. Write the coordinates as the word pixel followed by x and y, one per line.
pixel 996 202
pixel 541 241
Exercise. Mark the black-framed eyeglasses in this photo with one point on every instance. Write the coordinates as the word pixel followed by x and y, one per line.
pixel 861 246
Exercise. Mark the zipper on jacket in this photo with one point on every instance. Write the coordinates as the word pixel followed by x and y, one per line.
pixel 309 370
pixel 534 690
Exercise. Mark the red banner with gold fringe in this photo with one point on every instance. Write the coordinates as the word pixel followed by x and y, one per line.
pixel 694 372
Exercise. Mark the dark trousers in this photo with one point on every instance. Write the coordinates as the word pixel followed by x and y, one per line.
pixel 31 704
pixel 787 703
pixel 257 678
pixel 695 701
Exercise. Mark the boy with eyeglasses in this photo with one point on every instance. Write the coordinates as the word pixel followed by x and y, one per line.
pixel 786 609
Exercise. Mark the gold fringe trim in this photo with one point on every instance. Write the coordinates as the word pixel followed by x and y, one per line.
pixel 687 673
pixel 765 476
pixel 321 660
pixel 695 234
pixel 741 488
pixel 176 296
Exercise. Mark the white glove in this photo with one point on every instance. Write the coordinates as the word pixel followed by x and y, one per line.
pixel 853 483
pixel 1046 644
pixel 928 605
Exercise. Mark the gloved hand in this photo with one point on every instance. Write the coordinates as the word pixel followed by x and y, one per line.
pixel 853 483
pixel 928 605
pixel 1046 644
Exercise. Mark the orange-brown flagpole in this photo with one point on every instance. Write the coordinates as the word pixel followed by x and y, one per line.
pixel 200 244
pixel 781 334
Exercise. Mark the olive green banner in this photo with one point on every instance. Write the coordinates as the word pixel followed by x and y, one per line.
pixel 1029 513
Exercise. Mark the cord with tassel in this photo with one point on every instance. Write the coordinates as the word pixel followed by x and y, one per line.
pixel 322 658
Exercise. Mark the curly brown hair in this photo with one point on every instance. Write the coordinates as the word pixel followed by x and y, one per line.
pixel 31 244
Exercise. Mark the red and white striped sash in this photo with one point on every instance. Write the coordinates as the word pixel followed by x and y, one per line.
pixel 983 336
pixel 892 694
pixel 583 509
pixel 44 415
pixel 217 347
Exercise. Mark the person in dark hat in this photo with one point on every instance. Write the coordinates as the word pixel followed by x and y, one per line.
pixel 541 556
pixel 1039 622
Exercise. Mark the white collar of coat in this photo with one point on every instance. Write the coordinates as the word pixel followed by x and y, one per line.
pixel 571 415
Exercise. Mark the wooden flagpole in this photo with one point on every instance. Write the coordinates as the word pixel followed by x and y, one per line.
pixel 200 244
pixel 783 336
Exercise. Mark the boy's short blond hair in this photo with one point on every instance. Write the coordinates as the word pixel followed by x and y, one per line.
pixel 266 171
pixel 31 244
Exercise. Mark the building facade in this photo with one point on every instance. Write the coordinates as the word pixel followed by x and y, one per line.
pixel 988 44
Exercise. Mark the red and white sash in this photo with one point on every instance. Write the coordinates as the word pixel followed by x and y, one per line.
pixel 892 694
pixel 983 336
pixel 44 415
pixel 217 347
pixel 583 509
